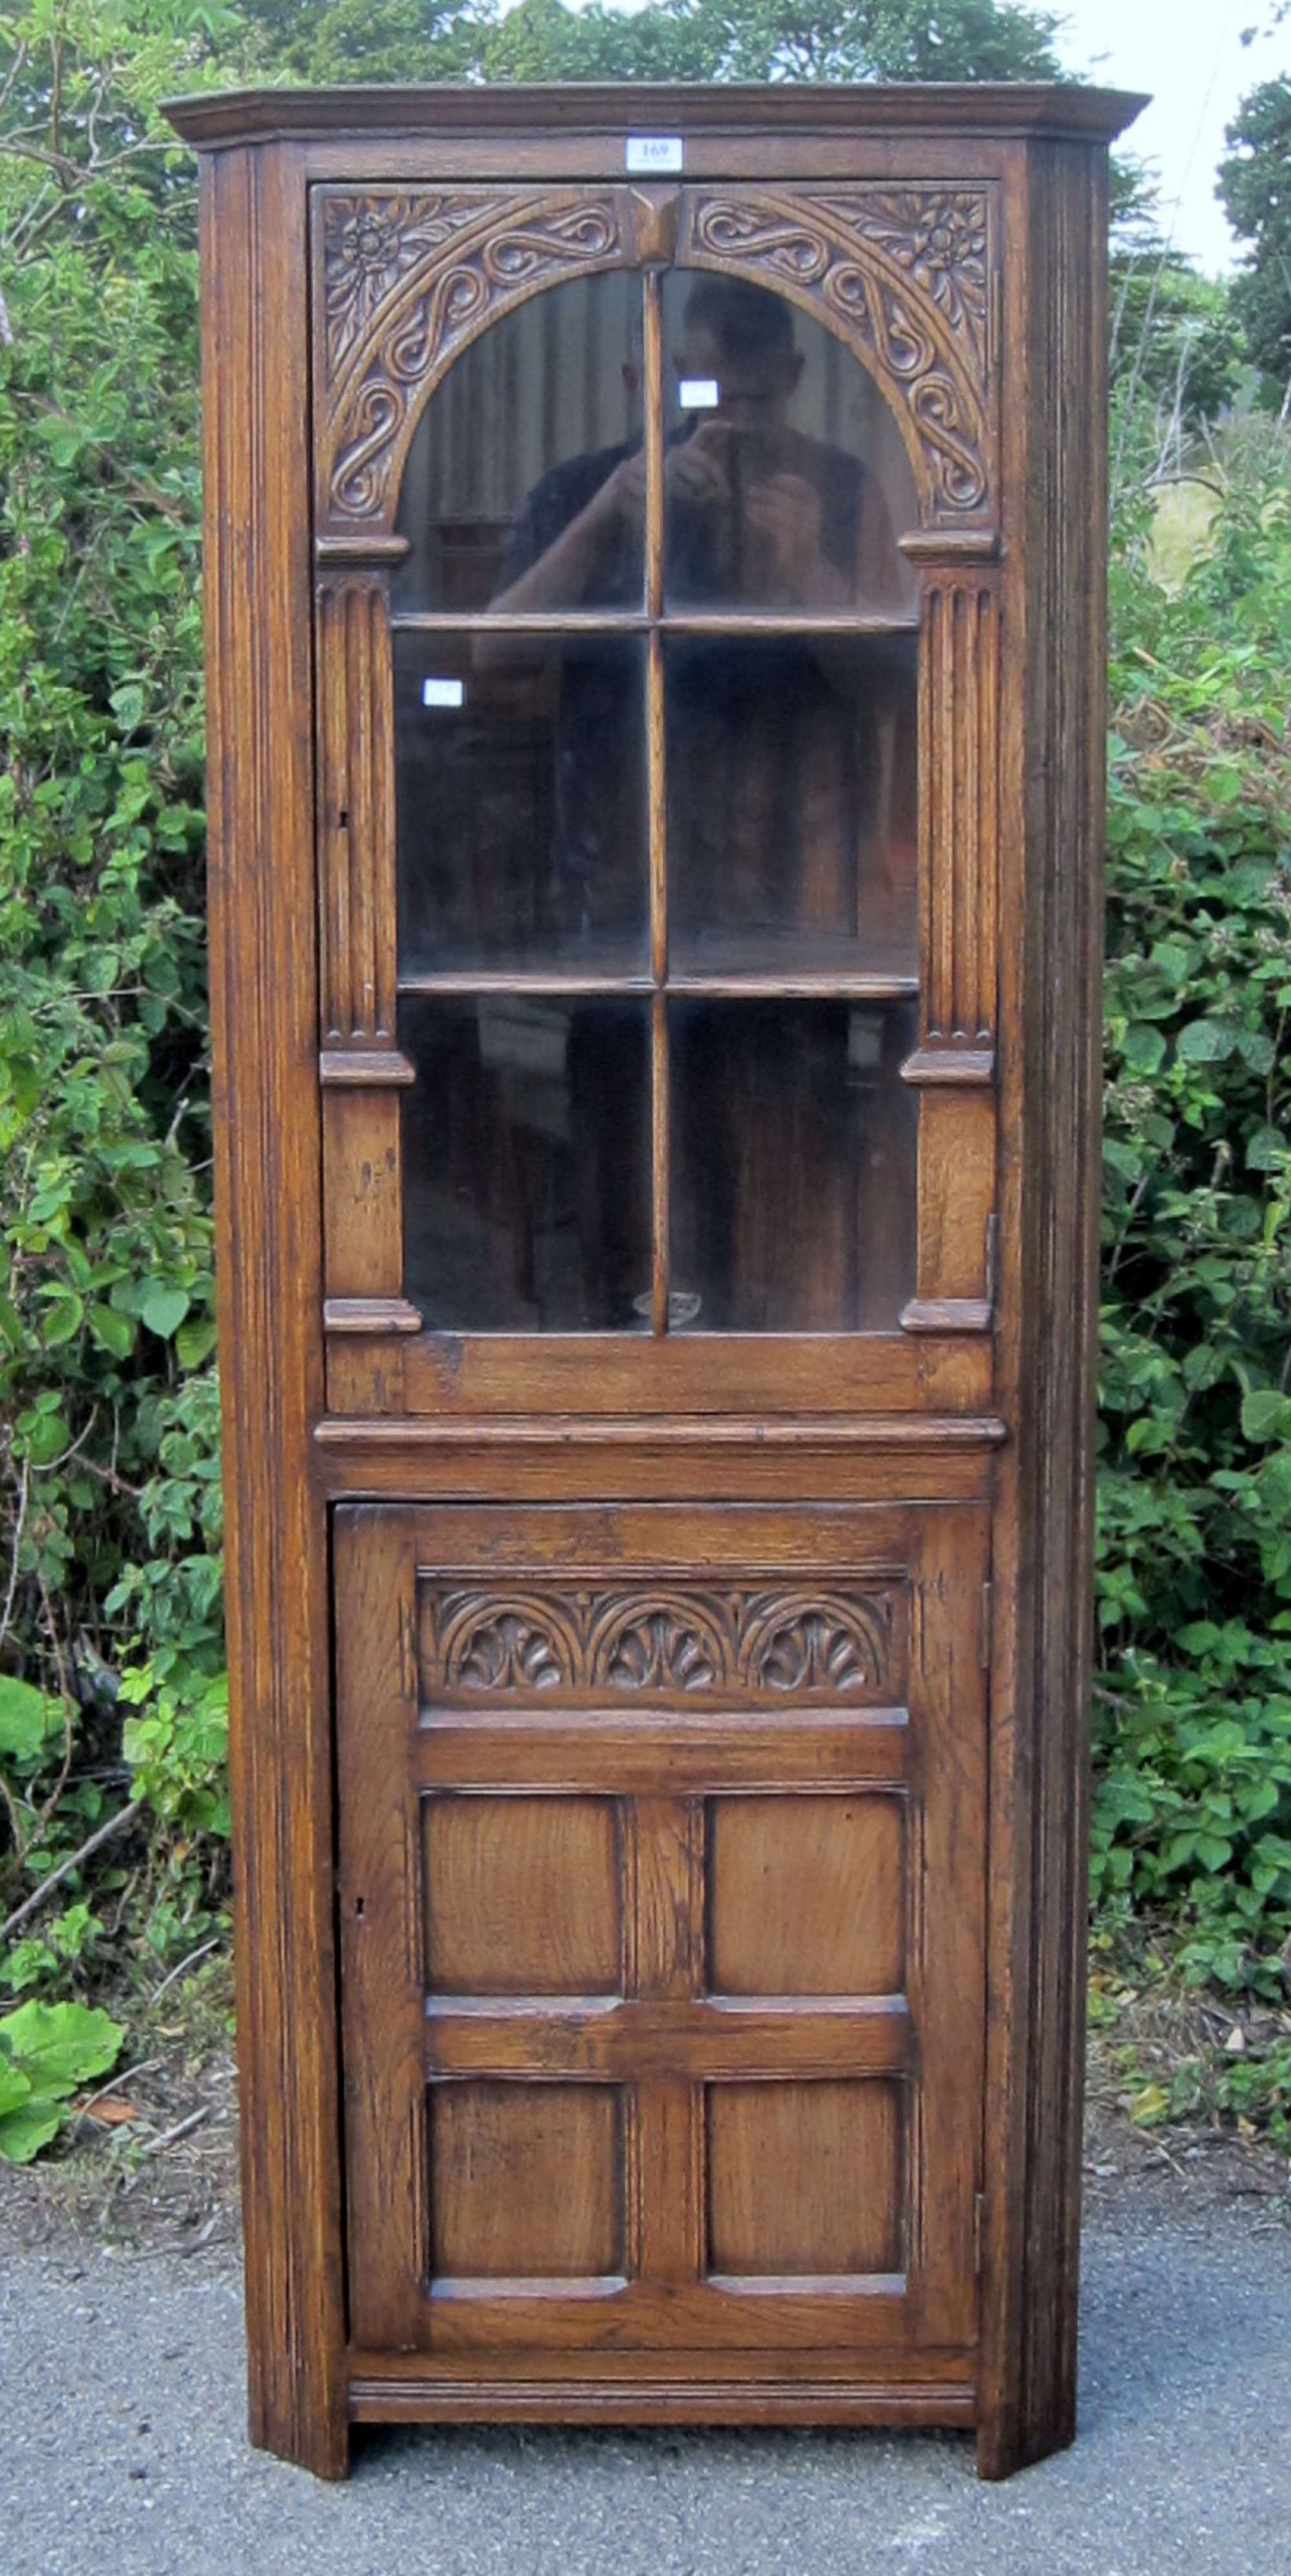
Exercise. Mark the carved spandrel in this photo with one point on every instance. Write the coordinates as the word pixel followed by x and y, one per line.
pixel 660 1642
pixel 405 279
pixel 906 273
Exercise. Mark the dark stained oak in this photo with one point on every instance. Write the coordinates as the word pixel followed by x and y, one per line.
pixel 658 1741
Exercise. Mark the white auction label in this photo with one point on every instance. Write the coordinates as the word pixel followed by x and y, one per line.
pixel 443 693
pixel 699 393
pixel 654 152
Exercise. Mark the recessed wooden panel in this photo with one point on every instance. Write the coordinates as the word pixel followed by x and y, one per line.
pixel 521 1896
pixel 804 2178
pixel 525 2180
pixel 806 1895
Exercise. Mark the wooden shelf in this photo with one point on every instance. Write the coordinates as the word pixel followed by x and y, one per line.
pixel 731 625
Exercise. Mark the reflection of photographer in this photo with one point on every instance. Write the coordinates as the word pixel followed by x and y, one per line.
pixel 755 511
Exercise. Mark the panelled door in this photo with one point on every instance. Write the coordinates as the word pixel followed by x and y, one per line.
pixel 662 1908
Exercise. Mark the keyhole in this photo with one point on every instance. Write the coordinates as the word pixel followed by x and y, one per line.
pixel 343 819
pixel 358 1904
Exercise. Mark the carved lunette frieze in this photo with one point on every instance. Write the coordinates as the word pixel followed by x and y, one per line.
pixel 906 272
pixel 404 279
pixel 658 1642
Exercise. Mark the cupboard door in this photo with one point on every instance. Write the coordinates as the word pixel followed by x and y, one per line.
pixel 657 649
pixel 662 1901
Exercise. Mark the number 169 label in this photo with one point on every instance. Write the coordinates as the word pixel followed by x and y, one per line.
pixel 654 152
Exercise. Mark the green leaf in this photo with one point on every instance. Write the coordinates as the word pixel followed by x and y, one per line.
pixel 63 1318
pixel 112 1332
pixel 1266 1414
pixel 58 2045
pixel 1267 1150
pixel 194 1343
pixel 15 2087
pixel 28 1718
pixel 46 1437
pixel 28 2128
pixel 164 1310
pixel 1205 1042
pixel 1143 1050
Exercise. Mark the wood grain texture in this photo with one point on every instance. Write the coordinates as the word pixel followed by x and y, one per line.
pixel 804 2178
pixel 806 1895
pixel 628 1752
pixel 364 1210
pixel 518 110
pixel 382 1916
pixel 356 811
pixel 958 805
pixel 525 2180
pixel 677 2400
pixel 776 1374
pixel 521 1895
pixel 269 1262
pixel 1054 724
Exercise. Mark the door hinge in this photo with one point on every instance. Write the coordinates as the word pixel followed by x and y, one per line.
pixel 979 2208
pixel 984 1636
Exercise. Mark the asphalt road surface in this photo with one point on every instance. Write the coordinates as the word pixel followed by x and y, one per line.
pixel 122 2450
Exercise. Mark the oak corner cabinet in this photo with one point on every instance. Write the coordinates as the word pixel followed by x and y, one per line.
pixel 655 570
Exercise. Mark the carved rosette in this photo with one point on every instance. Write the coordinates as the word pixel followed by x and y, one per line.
pixel 905 273
pixel 404 281
pixel 653 1642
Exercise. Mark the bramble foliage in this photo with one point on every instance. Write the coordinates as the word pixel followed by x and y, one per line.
pixel 109 1496
pixel 1193 1725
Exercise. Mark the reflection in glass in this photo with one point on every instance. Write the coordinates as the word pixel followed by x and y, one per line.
pixel 791 805
pixel 793 1153
pixel 523 486
pixel 785 481
pixel 521 803
pixel 526 1163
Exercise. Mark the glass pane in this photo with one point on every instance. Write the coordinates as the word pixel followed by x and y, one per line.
pixel 786 483
pixel 526 1163
pixel 520 788
pixel 792 805
pixel 520 488
pixel 793 1180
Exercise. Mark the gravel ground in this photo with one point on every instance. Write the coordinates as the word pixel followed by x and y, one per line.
pixel 121 2443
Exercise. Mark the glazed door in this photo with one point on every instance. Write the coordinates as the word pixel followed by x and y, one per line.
pixel 662 1844
pixel 656 802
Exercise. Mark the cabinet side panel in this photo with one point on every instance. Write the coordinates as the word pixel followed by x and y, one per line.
pixel 1044 1559
pixel 268 1194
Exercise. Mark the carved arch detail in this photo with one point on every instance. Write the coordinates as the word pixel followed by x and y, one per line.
pixel 659 1641
pixel 903 275
pixel 406 278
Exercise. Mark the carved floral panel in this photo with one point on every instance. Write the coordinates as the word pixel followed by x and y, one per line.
pixel 660 1641
pixel 404 280
pixel 906 274
pixel 406 277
